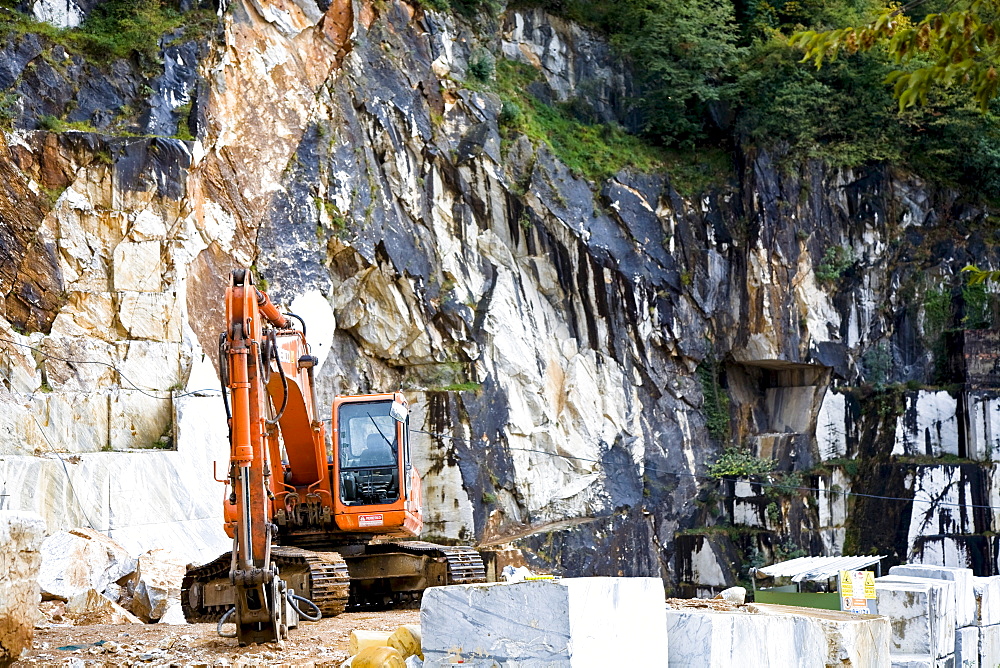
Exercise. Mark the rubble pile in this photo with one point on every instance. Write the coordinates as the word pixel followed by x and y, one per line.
pixel 91 579
pixel 182 649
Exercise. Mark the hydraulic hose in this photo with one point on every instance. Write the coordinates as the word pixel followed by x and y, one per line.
pixel 272 352
pixel 224 375
pixel 302 323
pixel 292 598
pixel 222 621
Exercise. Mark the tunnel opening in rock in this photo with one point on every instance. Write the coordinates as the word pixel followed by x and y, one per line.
pixel 778 403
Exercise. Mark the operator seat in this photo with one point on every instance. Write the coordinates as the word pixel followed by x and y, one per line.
pixel 377 452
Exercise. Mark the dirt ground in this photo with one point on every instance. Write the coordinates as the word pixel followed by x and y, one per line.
pixel 321 644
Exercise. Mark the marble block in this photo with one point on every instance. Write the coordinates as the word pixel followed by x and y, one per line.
pixel 965 598
pixel 922 612
pixel 987 592
pixel 967 647
pixel 859 641
pixel 567 622
pixel 989 646
pixel 76 561
pixel 700 638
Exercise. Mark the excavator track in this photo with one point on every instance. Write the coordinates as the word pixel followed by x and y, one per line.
pixel 319 576
pixel 328 577
pixel 464 566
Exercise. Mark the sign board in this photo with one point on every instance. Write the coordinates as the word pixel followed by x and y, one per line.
pixel 857 592
pixel 370 520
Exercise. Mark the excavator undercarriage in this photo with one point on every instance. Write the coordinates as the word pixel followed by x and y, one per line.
pixel 377 575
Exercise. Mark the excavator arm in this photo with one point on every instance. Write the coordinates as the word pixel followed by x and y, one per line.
pixel 250 349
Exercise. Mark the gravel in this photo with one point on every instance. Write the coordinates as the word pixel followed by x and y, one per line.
pixel 321 644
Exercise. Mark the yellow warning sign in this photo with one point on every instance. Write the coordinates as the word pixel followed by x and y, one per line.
pixel 857 591
pixel 846 584
pixel 869 584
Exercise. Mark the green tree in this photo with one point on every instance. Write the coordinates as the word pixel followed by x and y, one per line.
pixel 956 46
pixel 683 52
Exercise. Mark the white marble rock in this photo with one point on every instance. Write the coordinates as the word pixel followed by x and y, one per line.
pixel 987 592
pixel 175 615
pixel 568 622
pixel 967 647
pixel 76 561
pixel 922 611
pixel 859 641
pixel 160 574
pixel 181 503
pixel 965 598
pixel 989 646
pixel 709 639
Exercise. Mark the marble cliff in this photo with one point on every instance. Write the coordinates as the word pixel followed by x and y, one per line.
pixel 578 352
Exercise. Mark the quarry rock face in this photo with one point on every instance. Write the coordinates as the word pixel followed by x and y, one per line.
pixel 20 558
pixel 576 353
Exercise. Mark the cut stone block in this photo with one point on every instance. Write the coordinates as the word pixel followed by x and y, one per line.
pixel 568 622
pixel 20 558
pixel 987 591
pixel 859 641
pixel 700 638
pixel 989 646
pixel 922 611
pixel 967 647
pixel 965 598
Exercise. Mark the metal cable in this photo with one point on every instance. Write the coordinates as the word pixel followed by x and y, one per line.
pixel 756 481
pixel 110 366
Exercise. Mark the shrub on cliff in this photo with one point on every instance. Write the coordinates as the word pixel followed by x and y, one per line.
pixel 737 463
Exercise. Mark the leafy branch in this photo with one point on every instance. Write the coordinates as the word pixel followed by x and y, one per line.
pixel 977 275
pixel 961 45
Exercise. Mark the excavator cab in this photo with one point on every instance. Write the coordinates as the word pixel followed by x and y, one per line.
pixel 369 454
pixel 371 466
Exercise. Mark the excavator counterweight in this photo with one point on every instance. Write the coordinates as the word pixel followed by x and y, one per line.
pixel 313 530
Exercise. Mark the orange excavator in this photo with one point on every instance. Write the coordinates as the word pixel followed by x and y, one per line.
pixel 314 531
